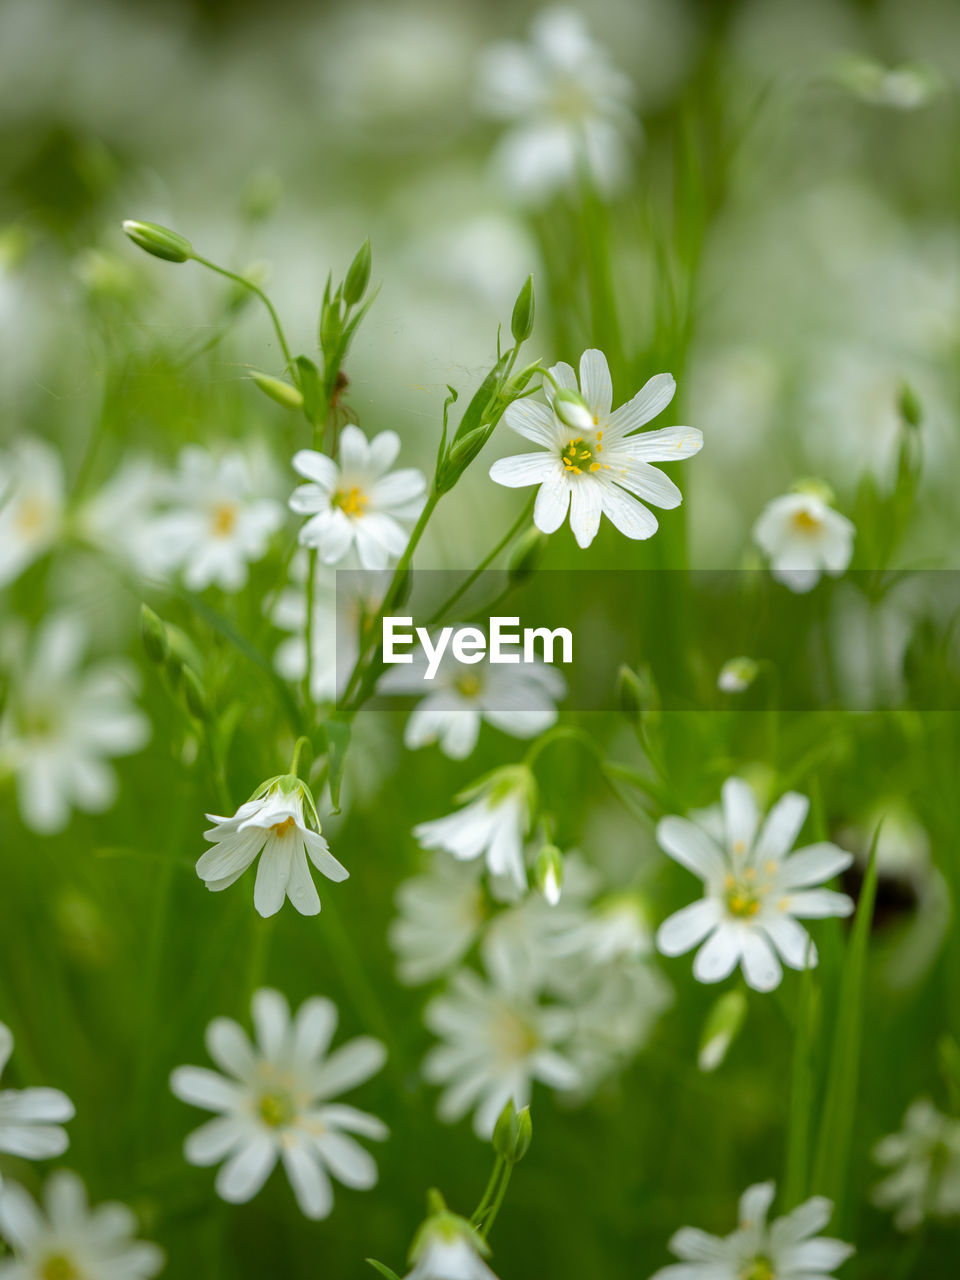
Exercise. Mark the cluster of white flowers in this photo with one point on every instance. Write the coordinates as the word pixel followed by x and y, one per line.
pixel 924 1159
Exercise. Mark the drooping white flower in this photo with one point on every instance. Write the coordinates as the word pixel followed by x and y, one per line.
pixel 789 1248
pixel 217 525
pixel 492 824
pixel 519 699
pixel 568 106
pixel 31 504
pixel 66 1239
pixel 925 1161
pixel 592 461
pixel 447 1247
pixel 804 537
pixel 275 1102
pixel 497 1040
pixel 62 724
pixel 755 888
pixel 279 825
pixel 31 1119
pixel 440 913
pixel 357 500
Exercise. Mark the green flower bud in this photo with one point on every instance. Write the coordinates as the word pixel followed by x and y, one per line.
pixel 571 408
pixel 153 631
pixel 737 675
pixel 637 693
pixel 721 1028
pixel 194 694
pixel 526 555
pixel 548 872
pixel 279 391
pixel 513 1133
pixel 160 241
pixel 911 411
pixel 521 323
pixel 330 323
pixel 358 277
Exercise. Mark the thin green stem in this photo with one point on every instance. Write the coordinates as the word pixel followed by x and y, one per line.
pixel 487 560
pixel 308 665
pixel 248 284
pixel 487 1197
pixel 487 1226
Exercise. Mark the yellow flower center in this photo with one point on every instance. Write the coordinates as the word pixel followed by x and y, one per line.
pixel 804 522
pixel 276 1109
pixel 515 1038
pixel 352 502
pixel 468 685
pixel 32 515
pixel 579 456
pixel 223 519
pixel 59 1267
pixel 743 895
pixel 281 828
pixel 759 1268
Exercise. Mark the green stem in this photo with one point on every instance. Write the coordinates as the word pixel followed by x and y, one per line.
pixel 308 671
pixel 248 284
pixel 485 1200
pixel 488 559
pixel 487 1226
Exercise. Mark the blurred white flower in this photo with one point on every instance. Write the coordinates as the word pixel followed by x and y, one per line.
pixel 275 1103
pixel 121 516
pixel 31 504
pixel 518 699
pixel 448 1248
pixel 569 108
pixel 925 1161
pixel 62 724
pixel 289 613
pixel 590 462
pixel 357 501
pixel 492 824
pixel 755 889
pixel 737 675
pixel 272 826
pixel 31 1119
pixel 497 1040
pixel 217 525
pixel 904 88
pixel 440 914
pixel 66 1239
pixel 803 537
pixel 789 1248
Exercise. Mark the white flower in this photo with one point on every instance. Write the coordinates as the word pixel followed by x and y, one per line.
pixel 754 888
pixel 925 1159
pixel 67 1240
pixel 518 699
pixel 492 824
pixel 448 1248
pixel 498 1039
pixel 737 675
pixel 803 536
pixel 31 1119
pixel 591 462
pixel 570 108
pixel 788 1248
pixel 271 826
pixel 904 88
pixel 31 504
pixel 357 500
pixel 121 517
pixel 217 525
pixel 61 725
pixel 440 914
pixel 274 1102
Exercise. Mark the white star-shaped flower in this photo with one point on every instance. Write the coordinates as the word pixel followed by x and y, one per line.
pixel 924 1163
pixel 273 826
pixel 592 462
pixel 275 1102
pixel 357 500
pixel 493 824
pixel 803 536
pixel 755 889
pixel 31 1119
pixel 31 504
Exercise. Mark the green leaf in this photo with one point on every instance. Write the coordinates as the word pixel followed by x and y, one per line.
pixel 831 1169
pixel 484 397
pixel 311 387
pixel 338 742
pixel 382 1268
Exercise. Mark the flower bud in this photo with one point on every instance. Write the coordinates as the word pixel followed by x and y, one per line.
pixel 513 1133
pixel 330 323
pixel 521 322
pixel 358 277
pixel 637 693
pixel 526 555
pixel 160 241
pixel 279 391
pixel 548 871
pixel 737 675
pixel 721 1028
pixel 911 411
pixel 153 632
pixel 571 408
pixel 194 694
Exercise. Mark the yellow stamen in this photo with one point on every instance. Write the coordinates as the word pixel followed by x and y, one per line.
pixel 281 828
pixel 223 520
pixel 352 502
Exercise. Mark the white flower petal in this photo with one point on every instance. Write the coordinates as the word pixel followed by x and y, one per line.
pixel 688 927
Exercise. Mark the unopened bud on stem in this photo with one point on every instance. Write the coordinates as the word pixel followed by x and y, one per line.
pixel 160 241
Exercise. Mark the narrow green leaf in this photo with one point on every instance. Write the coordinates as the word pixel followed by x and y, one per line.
pixel 831 1169
pixel 382 1268
pixel 338 742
